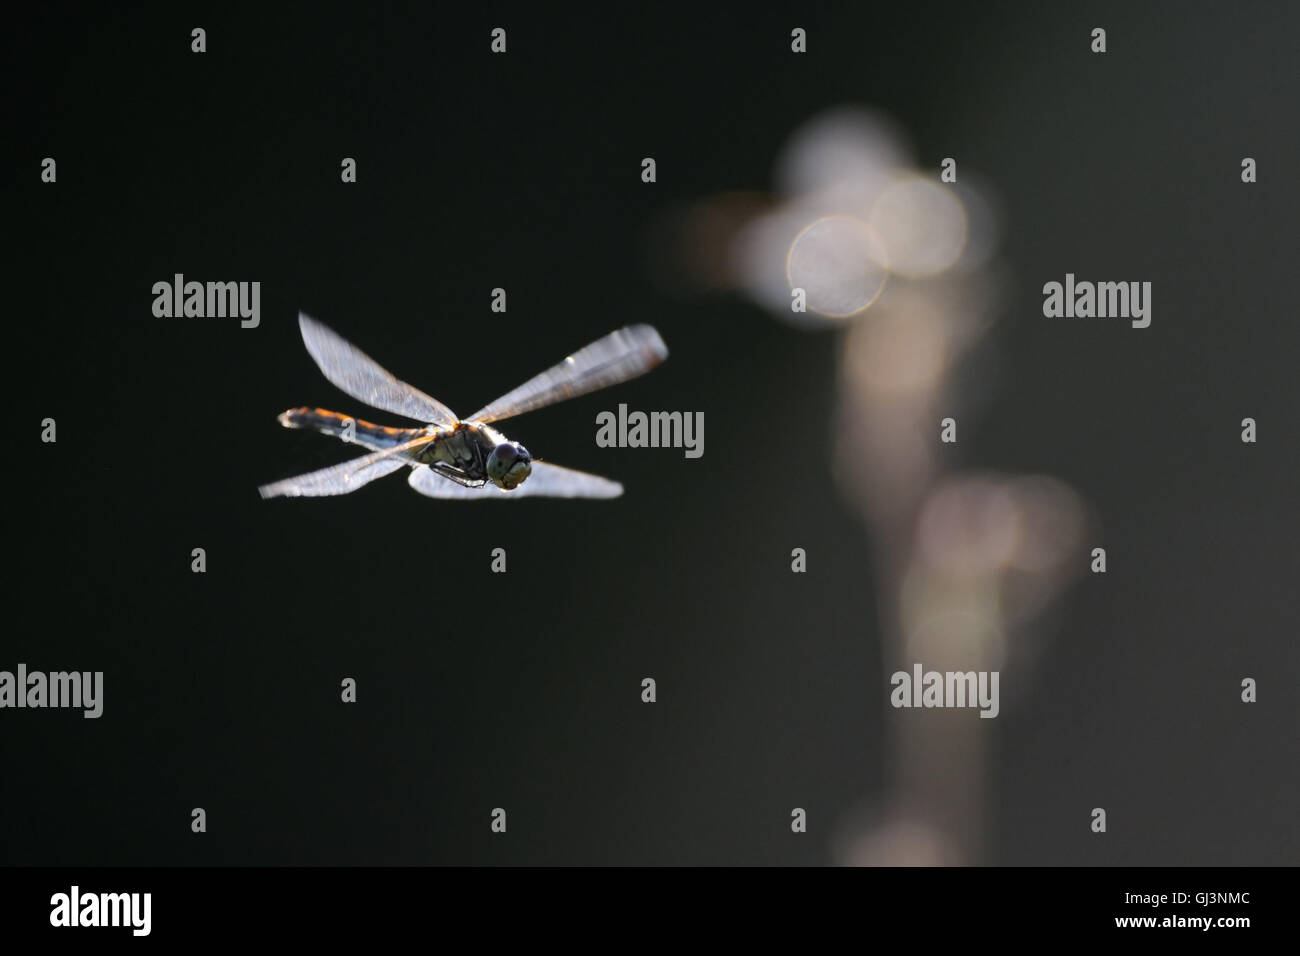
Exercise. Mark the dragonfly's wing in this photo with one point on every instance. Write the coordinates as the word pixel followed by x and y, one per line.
pixel 365 379
pixel 619 356
pixel 336 480
pixel 343 478
pixel 546 481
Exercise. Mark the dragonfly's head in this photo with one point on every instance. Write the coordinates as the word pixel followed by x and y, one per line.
pixel 508 464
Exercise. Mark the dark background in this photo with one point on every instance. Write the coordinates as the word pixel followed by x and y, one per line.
pixel 522 690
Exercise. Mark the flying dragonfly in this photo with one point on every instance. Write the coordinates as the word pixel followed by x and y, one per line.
pixel 453 457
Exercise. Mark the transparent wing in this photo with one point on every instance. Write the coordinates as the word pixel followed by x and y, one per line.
pixel 546 481
pixel 366 380
pixel 337 480
pixel 343 478
pixel 619 356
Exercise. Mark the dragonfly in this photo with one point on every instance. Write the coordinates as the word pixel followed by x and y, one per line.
pixel 452 457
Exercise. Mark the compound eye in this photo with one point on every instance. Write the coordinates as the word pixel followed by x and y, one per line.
pixel 505 454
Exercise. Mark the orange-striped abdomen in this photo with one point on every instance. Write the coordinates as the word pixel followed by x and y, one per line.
pixel 355 430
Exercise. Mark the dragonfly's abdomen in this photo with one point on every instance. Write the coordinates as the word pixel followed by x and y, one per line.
pixel 367 434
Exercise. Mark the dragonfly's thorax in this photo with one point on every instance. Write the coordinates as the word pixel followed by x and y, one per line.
pixel 462 451
pixel 464 447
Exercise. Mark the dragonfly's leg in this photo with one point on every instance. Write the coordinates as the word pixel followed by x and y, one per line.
pixel 456 475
